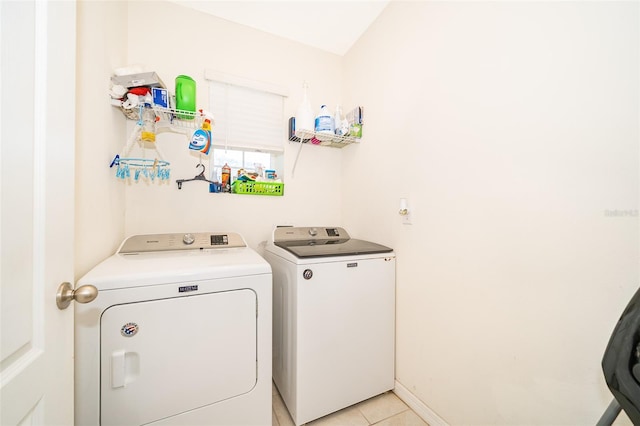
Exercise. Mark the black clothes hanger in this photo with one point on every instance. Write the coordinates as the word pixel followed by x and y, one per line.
pixel 196 177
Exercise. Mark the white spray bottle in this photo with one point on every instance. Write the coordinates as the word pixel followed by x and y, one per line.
pixel 304 116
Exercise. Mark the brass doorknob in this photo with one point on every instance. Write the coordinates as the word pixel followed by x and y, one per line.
pixel 66 293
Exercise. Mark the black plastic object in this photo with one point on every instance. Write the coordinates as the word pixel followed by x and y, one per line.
pixel 331 247
pixel 292 131
pixel 621 360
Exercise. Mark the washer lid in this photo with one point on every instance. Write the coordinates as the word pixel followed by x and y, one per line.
pixel 331 247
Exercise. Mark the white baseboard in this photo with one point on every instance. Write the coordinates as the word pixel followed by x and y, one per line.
pixel 420 408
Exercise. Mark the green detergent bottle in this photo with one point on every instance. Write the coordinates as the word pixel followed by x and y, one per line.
pixel 185 97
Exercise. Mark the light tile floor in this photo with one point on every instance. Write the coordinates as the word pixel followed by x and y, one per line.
pixel 382 410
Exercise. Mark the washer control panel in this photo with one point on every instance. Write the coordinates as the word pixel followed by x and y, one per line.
pixel 188 241
pixel 299 233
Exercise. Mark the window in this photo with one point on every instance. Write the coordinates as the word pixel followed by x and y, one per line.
pixel 251 161
pixel 249 130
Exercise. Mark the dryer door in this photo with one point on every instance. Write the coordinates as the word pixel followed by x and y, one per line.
pixel 164 357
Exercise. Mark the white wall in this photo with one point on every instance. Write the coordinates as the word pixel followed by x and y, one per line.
pixel 512 128
pixel 192 43
pixel 115 34
pixel 99 209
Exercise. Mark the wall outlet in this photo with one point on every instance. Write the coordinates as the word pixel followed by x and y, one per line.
pixel 406 219
pixel 405 211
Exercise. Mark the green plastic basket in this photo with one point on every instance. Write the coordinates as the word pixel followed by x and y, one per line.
pixel 258 188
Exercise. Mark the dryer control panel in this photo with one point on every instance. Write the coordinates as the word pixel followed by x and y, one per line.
pixel 188 241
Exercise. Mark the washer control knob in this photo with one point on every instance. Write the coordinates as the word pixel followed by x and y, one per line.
pixel 313 232
pixel 188 239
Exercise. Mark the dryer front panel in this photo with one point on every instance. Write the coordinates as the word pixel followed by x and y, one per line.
pixel 164 357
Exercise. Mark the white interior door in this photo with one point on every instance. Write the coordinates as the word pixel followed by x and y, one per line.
pixel 37 84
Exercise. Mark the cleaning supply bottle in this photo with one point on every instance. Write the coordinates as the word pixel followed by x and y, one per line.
pixel 201 139
pixel 148 133
pixel 185 96
pixel 206 126
pixel 324 121
pixel 226 178
pixel 304 115
pixel 341 123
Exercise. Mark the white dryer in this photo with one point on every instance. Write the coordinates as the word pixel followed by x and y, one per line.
pixel 179 334
pixel 334 319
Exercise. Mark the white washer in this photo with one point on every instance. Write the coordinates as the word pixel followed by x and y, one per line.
pixel 333 319
pixel 180 333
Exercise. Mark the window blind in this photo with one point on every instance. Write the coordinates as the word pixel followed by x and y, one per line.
pixel 246 118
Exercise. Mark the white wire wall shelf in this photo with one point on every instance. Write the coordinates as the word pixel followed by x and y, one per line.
pixel 324 139
pixel 177 120
pixel 171 120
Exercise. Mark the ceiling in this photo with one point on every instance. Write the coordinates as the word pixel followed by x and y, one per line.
pixel 331 25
